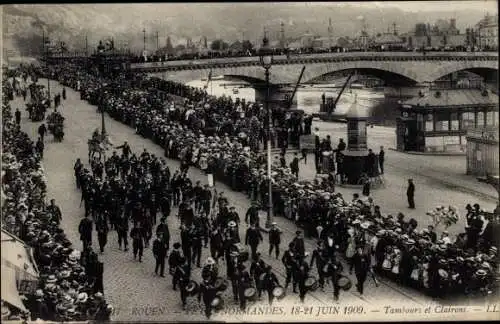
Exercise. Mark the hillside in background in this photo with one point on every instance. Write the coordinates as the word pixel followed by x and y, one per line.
pixel 23 24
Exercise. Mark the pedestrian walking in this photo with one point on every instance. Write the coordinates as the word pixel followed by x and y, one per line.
pixel 181 276
pixel 294 165
pixel 64 93
pixel 160 253
pixel 18 116
pixel 85 230
pixel 298 243
pixel 301 274
pixel 122 231
pixel 269 282
pixel 253 238
pixel 381 159
pixel 361 268
pixel 410 194
pixel 274 239
pixel 42 130
pixel 102 232
pixel 207 291
pixel 366 187
pixel 137 241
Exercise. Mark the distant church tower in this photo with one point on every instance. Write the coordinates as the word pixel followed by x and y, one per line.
pixel 282 35
pixel 330 33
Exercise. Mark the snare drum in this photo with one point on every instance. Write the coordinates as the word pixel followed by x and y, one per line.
pixel 242 250
pixel 192 288
pixel 220 284
pixel 218 303
pixel 250 294
pixel 344 283
pixel 311 284
pixel 279 293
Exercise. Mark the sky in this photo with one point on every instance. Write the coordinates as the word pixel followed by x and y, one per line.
pixel 488 5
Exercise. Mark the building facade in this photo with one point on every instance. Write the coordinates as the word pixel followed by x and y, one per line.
pixel 438 121
pixel 487 30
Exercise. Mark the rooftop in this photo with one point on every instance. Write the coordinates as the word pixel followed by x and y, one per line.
pixel 388 39
pixel 455 97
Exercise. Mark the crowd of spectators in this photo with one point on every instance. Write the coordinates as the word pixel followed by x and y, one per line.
pixel 70 282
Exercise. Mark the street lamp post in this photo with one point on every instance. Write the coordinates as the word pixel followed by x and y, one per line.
pixel 266 60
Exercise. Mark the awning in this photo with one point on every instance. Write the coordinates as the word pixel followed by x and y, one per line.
pixel 10 294
pixel 18 256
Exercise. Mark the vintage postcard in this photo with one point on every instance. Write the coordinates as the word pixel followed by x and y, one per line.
pixel 250 162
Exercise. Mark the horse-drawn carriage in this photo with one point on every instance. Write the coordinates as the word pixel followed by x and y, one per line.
pixel 55 123
pixel 36 110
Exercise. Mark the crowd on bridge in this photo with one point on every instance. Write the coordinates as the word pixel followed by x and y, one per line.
pixel 70 286
pixel 416 257
pixel 289 52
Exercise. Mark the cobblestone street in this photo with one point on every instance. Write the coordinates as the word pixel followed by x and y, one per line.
pixel 138 294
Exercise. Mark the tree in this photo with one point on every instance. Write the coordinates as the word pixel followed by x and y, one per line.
pixel 219 45
pixel 247 46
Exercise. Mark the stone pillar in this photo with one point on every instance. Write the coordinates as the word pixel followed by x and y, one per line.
pixel 278 96
pixel 357 149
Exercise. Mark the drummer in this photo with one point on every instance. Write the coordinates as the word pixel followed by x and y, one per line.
pixel 269 282
pixel 208 292
pixel 288 260
pixel 182 275
pixel 210 270
pixel 333 271
pixel 301 273
pixel 320 256
pixel 257 268
pixel 244 281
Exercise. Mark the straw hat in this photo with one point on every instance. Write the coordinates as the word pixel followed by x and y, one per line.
pixel 481 273
pixel 51 279
pixel 82 298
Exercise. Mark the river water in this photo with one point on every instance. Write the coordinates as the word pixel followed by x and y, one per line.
pixel 381 109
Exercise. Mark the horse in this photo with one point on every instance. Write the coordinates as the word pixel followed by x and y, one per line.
pixel 95 147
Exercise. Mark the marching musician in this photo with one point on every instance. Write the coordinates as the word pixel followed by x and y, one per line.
pixel 253 237
pixel 244 282
pixel 301 272
pixel 233 274
pixel 274 239
pixel 216 244
pixel 196 238
pixel 137 240
pixel 288 261
pixel 174 260
pixel 208 292
pixel 319 255
pixel 298 243
pixel 256 269
pixel 186 242
pixel 361 268
pixel 181 277
pixel 333 270
pixel 269 282
pixel 210 270
pixel 252 214
pixel 160 253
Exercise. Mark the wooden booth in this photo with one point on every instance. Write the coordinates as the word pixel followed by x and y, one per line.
pixel 437 121
pixel 482 151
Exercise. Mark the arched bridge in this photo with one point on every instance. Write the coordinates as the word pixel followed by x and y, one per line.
pixel 400 67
